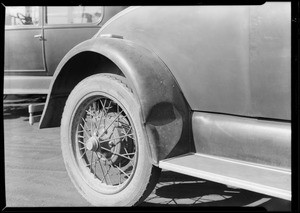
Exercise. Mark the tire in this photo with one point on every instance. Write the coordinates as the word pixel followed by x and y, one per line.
pixel 101 120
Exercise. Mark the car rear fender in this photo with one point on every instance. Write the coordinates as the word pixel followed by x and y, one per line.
pixel 164 111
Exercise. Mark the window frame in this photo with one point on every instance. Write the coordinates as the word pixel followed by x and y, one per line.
pixel 68 25
pixel 23 26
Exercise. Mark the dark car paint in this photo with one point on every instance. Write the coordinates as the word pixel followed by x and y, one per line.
pixel 252 140
pixel 230 59
pixel 224 88
pixel 231 82
pixel 164 110
pixel 23 52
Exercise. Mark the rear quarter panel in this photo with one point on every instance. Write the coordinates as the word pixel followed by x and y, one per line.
pixel 226 59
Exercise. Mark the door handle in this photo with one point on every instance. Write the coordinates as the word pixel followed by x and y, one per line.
pixel 40 37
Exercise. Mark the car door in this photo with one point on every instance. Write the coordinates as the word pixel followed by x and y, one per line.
pixel 24 54
pixel 65 27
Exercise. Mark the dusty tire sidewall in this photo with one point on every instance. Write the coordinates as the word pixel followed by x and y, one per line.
pixel 101 84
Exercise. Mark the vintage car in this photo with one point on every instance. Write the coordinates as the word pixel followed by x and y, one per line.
pixel 37 38
pixel 200 90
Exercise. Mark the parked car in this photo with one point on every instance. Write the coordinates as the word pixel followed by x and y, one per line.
pixel 200 90
pixel 37 38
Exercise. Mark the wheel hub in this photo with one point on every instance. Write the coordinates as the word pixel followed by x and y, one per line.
pixel 92 144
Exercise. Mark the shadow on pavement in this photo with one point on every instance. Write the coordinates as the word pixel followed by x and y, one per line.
pixel 176 189
pixel 12 112
pixel 16 106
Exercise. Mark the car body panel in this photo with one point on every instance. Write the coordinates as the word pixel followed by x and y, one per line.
pixel 221 57
pixel 62 40
pixel 211 81
pixel 33 84
pixel 164 111
pixel 252 140
pixel 23 52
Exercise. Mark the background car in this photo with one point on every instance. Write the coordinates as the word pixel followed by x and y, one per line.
pixel 37 38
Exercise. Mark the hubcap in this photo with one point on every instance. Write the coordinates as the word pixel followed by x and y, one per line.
pixel 92 144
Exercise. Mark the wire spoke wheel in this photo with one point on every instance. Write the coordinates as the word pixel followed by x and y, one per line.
pixel 105 144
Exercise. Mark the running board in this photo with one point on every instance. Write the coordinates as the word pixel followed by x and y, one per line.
pixel 254 177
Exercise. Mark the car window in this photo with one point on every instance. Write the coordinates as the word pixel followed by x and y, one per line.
pixel 24 15
pixel 73 15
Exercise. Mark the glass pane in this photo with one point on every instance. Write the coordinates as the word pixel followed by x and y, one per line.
pixel 21 16
pixel 73 15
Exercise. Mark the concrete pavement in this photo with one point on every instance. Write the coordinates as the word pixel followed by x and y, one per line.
pixel 35 175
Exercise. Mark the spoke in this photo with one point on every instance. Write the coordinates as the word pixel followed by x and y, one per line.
pixel 125 136
pixel 128 154
pixel 122 171
pixel 80 136
pixel 102 113
pixel 116 153
pixel 102 173
pixel 129 134
pixel 132 153
pixel 110 124
pixel 108 175
pixel 85 123
pixel 91 126
pixel 97 126
pixel 82 148
pixel 83 154
pixel 95 168
pixel 123 124
pixel 128 130
pixel 89 112
pixel 80 142
pixel 118 117
pixel 103 105
pixel 84 128
pixel 95 110
pixel 117 171
pixel 108 106
pixel 115 139
pixel 92 163
pixel 94 106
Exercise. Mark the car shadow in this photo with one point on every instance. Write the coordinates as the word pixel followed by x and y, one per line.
pixel 13 112
pixel 16 106
pixel 174 189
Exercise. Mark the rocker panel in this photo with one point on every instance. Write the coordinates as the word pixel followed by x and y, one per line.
pixel 248 139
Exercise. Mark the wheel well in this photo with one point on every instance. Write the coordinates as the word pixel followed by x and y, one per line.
pixel 79 67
